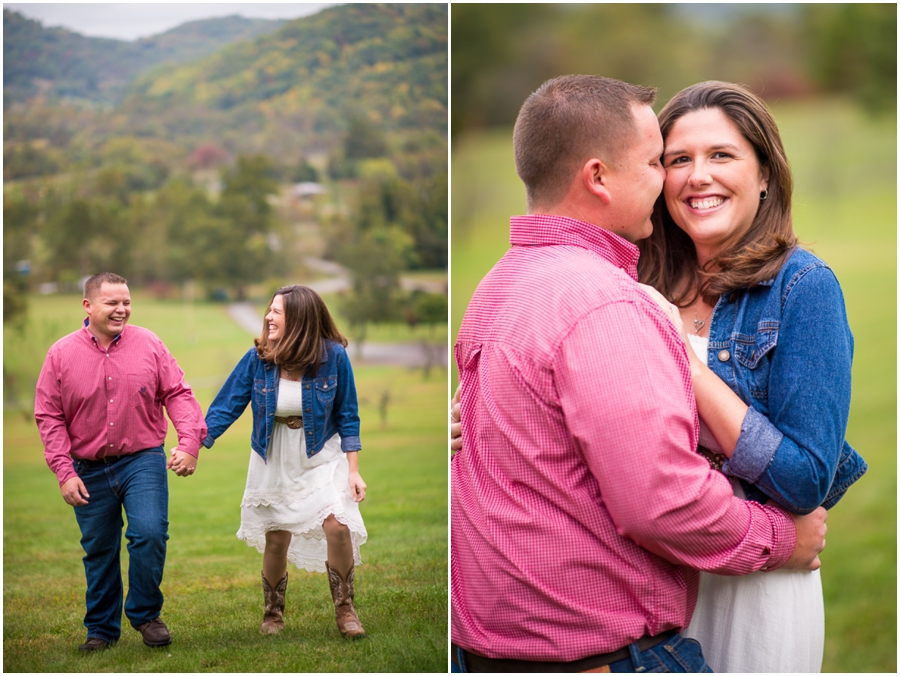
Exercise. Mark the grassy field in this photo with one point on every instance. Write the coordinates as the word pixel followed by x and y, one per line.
pixel 845 209
pixel 212 588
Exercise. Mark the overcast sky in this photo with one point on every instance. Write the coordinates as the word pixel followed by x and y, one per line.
pixel 132 21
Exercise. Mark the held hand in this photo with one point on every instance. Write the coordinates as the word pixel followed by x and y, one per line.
pixel 74 492
pixel 357 487
pixel 183 464
pixel 455 422
pixel 811 531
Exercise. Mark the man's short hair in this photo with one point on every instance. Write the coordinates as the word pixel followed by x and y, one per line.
pixel 93 284
pixel 566 122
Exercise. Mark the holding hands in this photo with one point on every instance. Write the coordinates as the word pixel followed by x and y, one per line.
pixel 183 464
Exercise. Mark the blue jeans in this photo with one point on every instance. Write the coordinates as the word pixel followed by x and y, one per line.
pixel 138 483
pixel 678 655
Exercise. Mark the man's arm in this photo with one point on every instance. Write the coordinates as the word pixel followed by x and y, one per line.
pixel 183 411
pixel 51 420
pixel 626 361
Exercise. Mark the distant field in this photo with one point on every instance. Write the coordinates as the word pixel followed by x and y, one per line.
pixel 845 208
pixel 213 597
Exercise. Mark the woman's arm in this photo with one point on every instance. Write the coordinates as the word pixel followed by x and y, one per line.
pixel 232 399
pixel 792 453
pixel 345 409
pixel 357 485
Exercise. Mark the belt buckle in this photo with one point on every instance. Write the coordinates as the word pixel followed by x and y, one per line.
pixel 295 423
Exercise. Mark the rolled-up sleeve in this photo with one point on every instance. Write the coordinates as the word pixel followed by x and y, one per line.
pixel 792 453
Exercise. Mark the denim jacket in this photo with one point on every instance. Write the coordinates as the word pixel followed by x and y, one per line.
pixel 785 347
pixel 329 402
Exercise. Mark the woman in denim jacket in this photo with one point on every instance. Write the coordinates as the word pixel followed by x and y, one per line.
pixel 770 352
pixel 303 485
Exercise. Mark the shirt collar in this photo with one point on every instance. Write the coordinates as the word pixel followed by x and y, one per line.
pixel 87 323
pixel 544 230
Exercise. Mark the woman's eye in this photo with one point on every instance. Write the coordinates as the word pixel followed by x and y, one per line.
pixel 678 160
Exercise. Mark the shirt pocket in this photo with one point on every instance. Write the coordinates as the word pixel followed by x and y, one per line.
pixel 754 354
pixel 325 390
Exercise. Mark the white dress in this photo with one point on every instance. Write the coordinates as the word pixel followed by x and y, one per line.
pixel 765 622
pixel 292 492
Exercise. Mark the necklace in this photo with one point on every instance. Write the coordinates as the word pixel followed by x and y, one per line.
pixel 700 323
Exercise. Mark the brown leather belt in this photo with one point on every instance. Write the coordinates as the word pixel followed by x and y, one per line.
pixel 476 663
pixel 295 422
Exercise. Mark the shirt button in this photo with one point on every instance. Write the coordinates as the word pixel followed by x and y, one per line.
pixel 307 387
pixel 724 355
pixel 111 424
pixel 110 401
pixel 110 378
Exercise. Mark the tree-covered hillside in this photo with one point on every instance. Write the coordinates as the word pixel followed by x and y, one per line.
pixel 301 87
pixel 56 62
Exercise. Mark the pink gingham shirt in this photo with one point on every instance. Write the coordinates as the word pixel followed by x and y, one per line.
pixel 579 509
pixel 91 403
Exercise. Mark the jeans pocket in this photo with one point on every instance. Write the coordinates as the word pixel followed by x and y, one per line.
pixel 687 653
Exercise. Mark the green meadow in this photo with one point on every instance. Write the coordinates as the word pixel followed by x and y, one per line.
pixel 845 210
pixel 214 600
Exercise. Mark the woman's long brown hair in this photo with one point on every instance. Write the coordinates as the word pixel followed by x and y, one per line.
pixel 668 259
pixel 307 325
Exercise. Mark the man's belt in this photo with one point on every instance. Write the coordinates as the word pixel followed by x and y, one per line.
pixel 478 663
pixel 295 422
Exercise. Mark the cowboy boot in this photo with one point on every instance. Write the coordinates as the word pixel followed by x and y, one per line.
pixel 273 621
pixel 342 595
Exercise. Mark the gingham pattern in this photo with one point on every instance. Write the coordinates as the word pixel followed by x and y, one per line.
pixel 92 402
pixel 577 495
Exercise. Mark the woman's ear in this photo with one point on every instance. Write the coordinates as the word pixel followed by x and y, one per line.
pixel 594 176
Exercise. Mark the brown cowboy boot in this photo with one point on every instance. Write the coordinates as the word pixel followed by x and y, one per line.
pixel 273 621
pixel 342 595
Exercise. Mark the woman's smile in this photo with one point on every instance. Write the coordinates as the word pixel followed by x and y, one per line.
pixel 713 180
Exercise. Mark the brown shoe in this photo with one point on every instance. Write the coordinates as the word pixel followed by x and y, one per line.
pixel 273 615
pixel 94 644
pixel 342 595
pixel 155 633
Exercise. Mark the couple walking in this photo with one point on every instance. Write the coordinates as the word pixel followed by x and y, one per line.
pixel 99 408
pixel 617 438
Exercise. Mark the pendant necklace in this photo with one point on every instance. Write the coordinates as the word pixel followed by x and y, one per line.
pixel 700 323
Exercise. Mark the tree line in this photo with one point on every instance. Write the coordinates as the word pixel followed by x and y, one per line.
pixel 502 52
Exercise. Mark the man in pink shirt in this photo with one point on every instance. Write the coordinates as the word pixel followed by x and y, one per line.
pixel 580 513
pixel 99 409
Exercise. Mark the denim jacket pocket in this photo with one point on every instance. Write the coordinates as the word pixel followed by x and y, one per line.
pixel 326 389
pixel 749 351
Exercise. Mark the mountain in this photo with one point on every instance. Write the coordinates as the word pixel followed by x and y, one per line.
pixel 59 63
pixel 304 84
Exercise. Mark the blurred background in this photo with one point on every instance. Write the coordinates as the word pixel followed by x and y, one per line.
pixel 210 162
pixel 829 74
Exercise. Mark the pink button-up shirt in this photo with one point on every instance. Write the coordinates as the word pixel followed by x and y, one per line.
pixel 580 510
pixel 91 403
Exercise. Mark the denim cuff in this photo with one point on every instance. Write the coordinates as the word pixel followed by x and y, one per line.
pixel 350 444
pixel 755 447
pixel 208 441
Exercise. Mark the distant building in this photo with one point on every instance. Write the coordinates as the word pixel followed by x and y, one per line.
pixel 308 189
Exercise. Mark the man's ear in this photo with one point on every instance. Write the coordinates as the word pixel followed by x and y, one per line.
pixel 595 176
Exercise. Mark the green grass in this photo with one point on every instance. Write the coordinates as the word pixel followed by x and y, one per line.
pixel 212 588
pixel 845 176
